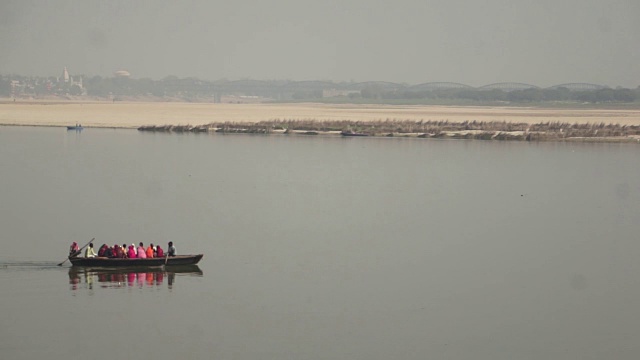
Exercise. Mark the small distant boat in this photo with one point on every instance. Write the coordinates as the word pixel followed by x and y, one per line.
pixel 148 262
pixel 76 128
pixel 351 133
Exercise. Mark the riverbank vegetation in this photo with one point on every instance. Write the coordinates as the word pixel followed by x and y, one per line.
pixel 479 130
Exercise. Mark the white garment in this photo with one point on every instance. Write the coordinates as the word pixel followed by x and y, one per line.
pixel 89 253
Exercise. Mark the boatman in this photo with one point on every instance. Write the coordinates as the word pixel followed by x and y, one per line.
pixel 89 253
pixel 171 250
pixel 73 249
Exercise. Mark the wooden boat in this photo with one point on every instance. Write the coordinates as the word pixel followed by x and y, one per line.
pixel 148 262
pixel 76 128
pixel 351 133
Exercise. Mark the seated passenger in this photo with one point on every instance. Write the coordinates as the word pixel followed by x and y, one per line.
pixel 150 251
pixel 109 252
pixel 102 250
pixel 132 252
pixel 159 252
pixel 89 253
pixel 141 253
pixel 117 251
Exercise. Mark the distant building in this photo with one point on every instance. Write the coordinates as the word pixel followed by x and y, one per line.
pixel 122 74
pixel 66 82
pixel 65 75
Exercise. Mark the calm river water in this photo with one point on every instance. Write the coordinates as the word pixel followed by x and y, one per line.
pixel 320 248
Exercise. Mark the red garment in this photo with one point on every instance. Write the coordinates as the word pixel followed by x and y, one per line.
pixel 103 249
pixel 120 252
pixel 160 252
pixel 132 252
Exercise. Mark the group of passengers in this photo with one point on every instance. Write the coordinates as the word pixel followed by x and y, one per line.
pixel 130 252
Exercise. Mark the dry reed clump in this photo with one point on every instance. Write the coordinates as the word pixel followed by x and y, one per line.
pixel 478 130
pixel 174 128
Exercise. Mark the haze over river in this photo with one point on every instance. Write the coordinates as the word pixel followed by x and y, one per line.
pixel 320 247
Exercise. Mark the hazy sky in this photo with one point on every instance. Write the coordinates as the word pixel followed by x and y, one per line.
pixel 475 42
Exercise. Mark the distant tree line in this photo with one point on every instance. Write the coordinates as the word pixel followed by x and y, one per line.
pixel 192 88
pixel 607 95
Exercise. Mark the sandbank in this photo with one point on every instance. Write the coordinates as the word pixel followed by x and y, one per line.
pixel 136 114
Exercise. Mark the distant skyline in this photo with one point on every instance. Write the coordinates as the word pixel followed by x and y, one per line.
pixel 543 43
pixel 509 85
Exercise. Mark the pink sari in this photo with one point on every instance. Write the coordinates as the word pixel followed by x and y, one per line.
pixel 141 253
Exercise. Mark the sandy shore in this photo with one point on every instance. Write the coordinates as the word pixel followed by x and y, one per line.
pixel 136 114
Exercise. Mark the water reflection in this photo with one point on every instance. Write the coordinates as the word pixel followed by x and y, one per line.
pixel 89 278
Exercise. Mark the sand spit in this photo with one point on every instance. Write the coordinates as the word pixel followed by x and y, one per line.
pixel 550 131
pixel 331 119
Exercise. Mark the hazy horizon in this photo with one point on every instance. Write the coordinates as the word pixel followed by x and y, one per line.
pixel 544 43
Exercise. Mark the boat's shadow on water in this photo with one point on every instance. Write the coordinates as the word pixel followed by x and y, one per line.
pixel 81 277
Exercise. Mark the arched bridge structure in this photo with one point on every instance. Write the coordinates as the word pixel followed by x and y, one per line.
pixel 309 85
pixel 508 86
pixel 579 86
pixel 438 86
pixel 382 85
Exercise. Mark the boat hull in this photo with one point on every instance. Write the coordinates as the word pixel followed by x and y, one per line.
pixel 125 263
pixel 351 133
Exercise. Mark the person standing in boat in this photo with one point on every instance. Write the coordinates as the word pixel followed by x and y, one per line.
pixel 89 252
pixel 171 250
pixel 73 249
pixel 141 253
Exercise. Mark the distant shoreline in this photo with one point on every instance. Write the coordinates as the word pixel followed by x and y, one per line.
pixel 457 122
pixel 52 100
